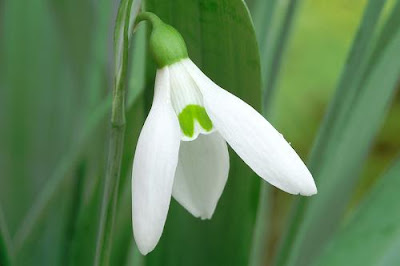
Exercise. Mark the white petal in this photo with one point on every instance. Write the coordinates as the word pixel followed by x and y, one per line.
pixel 201 174
pixel 253 138
pixel 184 90
pixel 154 166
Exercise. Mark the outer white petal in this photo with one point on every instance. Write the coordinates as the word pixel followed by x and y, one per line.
pixel 201 174
pixel 154 166
pixel 253 138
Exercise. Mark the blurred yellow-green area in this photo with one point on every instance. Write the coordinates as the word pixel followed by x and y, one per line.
pixel 321 39
pixel 48 89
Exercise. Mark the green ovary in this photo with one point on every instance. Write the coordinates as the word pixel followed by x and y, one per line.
pixel 188 116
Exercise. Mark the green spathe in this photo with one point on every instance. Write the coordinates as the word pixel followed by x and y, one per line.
pixel 188 116
pixel 166 43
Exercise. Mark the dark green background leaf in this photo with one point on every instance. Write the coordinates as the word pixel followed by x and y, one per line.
pixel 221 41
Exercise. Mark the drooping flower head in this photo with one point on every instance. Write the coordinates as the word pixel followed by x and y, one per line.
pixel 182 148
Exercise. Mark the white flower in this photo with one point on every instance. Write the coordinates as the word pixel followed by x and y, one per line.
pixel 182 150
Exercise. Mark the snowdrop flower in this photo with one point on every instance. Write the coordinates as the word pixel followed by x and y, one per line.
pixel 182 148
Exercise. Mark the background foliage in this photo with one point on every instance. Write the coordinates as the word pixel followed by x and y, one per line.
pixel 325 73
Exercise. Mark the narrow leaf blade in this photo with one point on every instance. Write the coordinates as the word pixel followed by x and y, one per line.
pixel 345 138
pixel 372 236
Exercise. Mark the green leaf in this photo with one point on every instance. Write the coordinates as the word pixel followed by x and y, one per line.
pixel 372 236
pixel 355 117
pixel 390 27
pixel 349 83
pixel 261 230
pixel 44 104
pixel 262 13
pixel 221 41
pixel 41 206
pixel 273 47
pixel 55 105
pixel 5 256
pixel 273 25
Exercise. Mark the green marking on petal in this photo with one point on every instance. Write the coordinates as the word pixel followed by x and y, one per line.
pixel 188 116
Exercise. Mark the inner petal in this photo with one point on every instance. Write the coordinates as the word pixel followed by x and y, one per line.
pixel 187 102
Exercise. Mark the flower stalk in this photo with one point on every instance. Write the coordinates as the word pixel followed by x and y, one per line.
pixel 116 141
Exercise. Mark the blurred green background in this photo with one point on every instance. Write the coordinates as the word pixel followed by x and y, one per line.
pixel 56 76
pixel 322 35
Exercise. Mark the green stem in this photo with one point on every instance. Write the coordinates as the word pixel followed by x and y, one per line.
pixel 116 145
pixel 5 243
pixel 154 20
pixel 110 196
